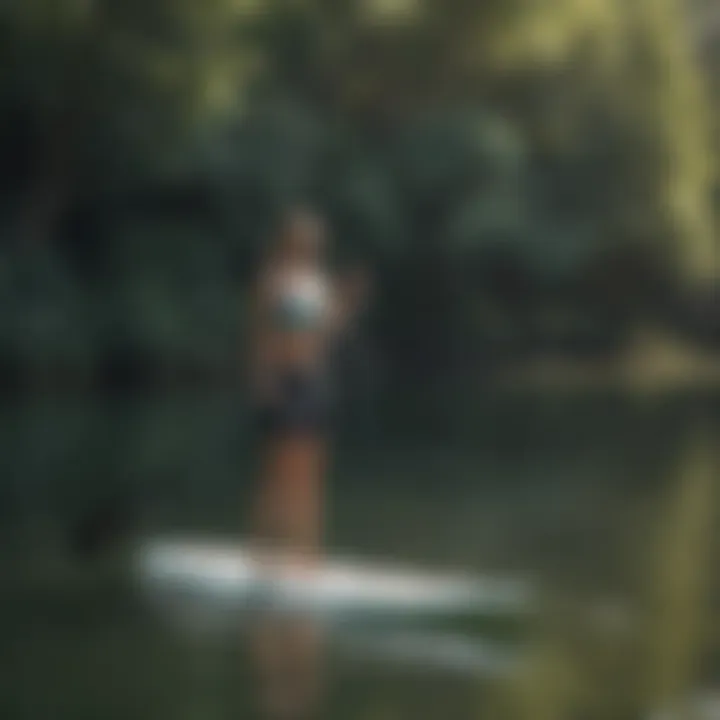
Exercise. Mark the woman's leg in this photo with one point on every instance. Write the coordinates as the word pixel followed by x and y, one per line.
pixel 290 520
pixel 290 510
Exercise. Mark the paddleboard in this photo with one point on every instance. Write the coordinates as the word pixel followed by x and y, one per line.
pixel 228 576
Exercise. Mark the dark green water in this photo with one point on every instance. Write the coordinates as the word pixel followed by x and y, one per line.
pixel 558 488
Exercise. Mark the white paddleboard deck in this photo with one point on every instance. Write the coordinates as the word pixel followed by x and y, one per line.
pixel 231 576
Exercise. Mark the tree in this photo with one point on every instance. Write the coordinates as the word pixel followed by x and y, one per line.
pixel 106 87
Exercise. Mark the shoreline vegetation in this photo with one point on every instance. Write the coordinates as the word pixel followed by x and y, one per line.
pixel 651 362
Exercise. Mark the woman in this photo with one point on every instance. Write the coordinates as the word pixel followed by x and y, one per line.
pixel 299 312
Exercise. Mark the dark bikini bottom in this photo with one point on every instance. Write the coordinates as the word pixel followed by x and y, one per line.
pixel 301 402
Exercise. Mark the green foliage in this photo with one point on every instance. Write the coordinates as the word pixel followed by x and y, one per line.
pixel 110 84
pixel 181 305
pixel 484 155
pixel 43 323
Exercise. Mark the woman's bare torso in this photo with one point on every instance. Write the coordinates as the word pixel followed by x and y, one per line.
pixel 288 344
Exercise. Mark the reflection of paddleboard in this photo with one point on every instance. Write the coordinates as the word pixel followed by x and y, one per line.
pixel 227 576
pixel 444 652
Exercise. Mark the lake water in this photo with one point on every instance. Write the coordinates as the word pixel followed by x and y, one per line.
pixel 559 488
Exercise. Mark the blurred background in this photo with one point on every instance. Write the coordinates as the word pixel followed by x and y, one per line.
pixel 536 187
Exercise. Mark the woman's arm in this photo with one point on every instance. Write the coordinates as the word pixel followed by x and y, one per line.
pixel 350 295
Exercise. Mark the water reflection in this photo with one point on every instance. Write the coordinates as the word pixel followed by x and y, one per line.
pixel 290 611
pixel 288 654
